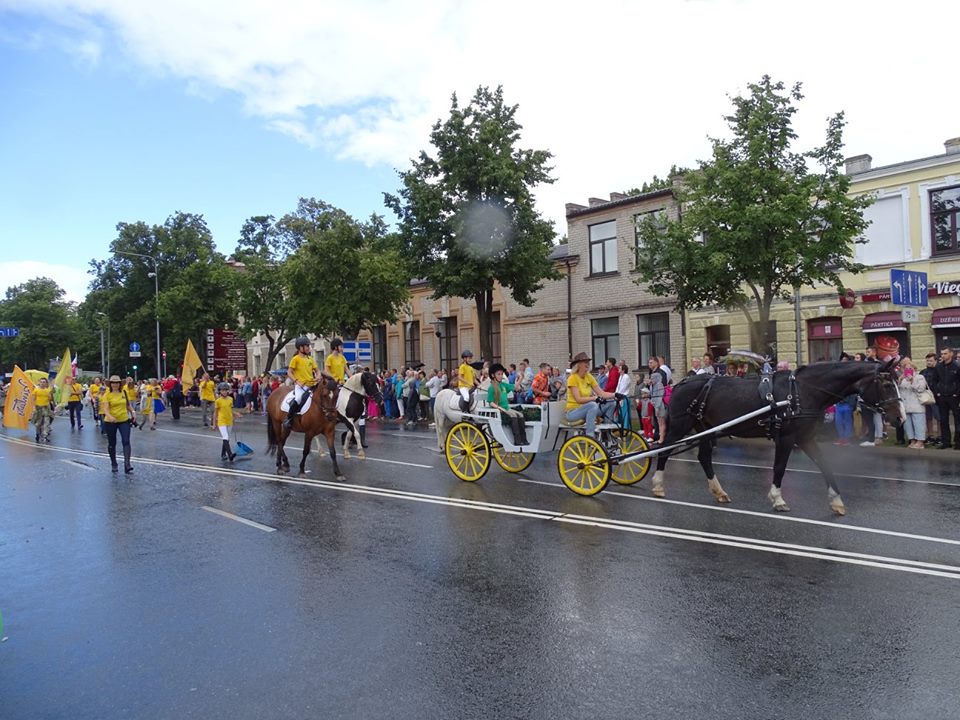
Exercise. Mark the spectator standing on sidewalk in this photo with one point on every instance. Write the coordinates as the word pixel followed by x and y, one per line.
pixel 945 389
pixel 932 411
pixel 912 383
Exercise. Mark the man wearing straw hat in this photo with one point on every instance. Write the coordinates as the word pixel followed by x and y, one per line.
pixel 583 393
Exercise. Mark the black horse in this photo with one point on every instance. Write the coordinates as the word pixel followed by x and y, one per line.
pixel 702 402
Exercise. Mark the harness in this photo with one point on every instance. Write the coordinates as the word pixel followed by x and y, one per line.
pixel 778 415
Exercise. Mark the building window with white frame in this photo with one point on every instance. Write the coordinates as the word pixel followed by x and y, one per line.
pixel 659 220
pixel 411 342
pixel 945 220
pixel 653 336
pixel 605 339
pixel 603 248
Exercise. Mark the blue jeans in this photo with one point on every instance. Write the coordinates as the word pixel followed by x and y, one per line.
pixel 843 419
pixel 589 412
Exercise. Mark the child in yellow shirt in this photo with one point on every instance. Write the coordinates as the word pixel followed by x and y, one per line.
pixel 223 420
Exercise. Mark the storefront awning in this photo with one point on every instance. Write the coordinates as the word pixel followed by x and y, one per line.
pixel 883 322
pixel 946 317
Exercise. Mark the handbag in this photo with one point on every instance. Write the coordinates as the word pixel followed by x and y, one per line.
pixel 926 397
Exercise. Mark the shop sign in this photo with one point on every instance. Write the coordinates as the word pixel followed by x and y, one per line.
pixel 948 287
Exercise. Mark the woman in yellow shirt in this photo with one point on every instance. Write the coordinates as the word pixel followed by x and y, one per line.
pixel 94 395
pixel 223 420
pixel 152 392
pixel 582 394
pixel 116 412
pixel 43 409
pixel 305 374
pixel 74 403
pixel 207 398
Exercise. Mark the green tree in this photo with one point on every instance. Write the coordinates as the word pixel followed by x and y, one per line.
pixel 196 289
pixel 657 183
pixel 467 215
pixel 46 321
pixel 757 222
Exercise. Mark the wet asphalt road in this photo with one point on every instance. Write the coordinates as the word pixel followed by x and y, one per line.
pixel 406 593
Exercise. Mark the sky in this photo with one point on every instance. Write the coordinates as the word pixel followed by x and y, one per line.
pixel 126 110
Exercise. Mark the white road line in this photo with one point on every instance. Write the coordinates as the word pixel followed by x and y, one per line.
pixel 231 516
pixel 813 552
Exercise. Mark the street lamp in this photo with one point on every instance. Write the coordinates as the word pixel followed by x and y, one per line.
pixel 156 289
pixel 103 362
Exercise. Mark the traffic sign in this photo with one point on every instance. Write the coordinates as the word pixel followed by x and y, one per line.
pixel 9 332
pixel 134 347
pixel 134 353
pixel 908 288
pixel 910 315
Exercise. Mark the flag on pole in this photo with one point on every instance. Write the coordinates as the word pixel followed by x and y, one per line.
pixel 191 365
pixel 63 374
pixel 73 366
pixel 19 404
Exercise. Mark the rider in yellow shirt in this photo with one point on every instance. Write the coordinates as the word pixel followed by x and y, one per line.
pixel 305 374
pixel 43 409
pixel 336 364
pixel 466 380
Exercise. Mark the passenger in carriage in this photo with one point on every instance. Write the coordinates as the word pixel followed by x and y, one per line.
pixel 497 396
pixel 582 394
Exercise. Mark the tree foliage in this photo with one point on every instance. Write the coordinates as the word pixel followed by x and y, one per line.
pixel 46 321
pixel 195 290
pixel 657 183
pixel 467 215
pixel 757 221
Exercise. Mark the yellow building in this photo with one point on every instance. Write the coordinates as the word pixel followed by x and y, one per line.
pixel 915 226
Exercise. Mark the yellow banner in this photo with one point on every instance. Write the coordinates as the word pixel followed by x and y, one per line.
pixel 65 372
pixel 18 407
pixel 191 365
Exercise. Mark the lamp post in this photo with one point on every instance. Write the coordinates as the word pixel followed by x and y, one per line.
pixel 103 361
pixel 156 289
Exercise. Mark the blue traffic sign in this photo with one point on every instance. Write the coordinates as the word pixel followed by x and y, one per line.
pixel 9 332
pixel 134 347
pixel 908 288
pixel 357 351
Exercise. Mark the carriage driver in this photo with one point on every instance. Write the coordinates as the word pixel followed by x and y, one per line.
pixel 305 375
pixel 582 394
pixel 466 380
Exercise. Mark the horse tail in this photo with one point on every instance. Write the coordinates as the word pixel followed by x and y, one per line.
pixel 271 436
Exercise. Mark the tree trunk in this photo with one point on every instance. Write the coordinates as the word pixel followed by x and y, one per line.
pixel 484 303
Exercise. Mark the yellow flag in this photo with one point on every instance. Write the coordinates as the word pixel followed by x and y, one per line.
pixel 19 404
pixel 191 365
pixel 64 372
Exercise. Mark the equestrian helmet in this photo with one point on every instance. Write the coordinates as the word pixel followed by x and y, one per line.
pixel 223 386
pixel 301 341
pixel 466 354
pixel 336 343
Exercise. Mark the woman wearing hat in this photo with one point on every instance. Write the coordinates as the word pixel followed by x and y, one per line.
pixel 497 395
pixel 116 413
pixel 582 394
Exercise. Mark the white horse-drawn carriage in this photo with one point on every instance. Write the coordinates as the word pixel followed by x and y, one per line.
pixel 585 463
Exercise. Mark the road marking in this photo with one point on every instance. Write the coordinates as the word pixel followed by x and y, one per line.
pixel 231 516
pixel 813 552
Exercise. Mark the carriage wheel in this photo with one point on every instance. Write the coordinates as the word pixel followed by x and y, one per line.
pixel 583 465
pixel 630 441
pixel 512 462
pixel 468 451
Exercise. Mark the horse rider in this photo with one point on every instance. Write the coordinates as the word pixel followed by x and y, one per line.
pixel 305 374
pixel 466 380
pixel 336 364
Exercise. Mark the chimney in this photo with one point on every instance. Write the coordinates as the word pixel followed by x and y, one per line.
pixel 597 201
pixel 614 196
pixel 952 146
pixel 858 164
pixel 573 207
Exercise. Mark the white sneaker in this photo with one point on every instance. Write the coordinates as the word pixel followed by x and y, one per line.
pixel 867 443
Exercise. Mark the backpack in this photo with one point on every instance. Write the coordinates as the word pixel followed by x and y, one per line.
pixel 667 392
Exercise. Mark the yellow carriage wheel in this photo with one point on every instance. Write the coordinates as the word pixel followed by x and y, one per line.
pixel 630 441
pixel 468 451
pixel 512 462
pixel 583 465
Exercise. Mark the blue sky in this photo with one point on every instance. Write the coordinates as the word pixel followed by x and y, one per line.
pixel 123 111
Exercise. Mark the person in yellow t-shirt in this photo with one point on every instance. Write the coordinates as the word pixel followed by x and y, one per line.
pixel 305 374
pixel 93 392
pixel 207 398
pixel 336 364
pixel 466 380
pixel 582 394
pixel 116 412
pixel 223 420
pixel 74 402
pixel 43 409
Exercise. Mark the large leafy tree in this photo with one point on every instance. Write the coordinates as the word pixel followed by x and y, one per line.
pixel 195 289
pixel 467 215
pixel 46 321
pixel 758 220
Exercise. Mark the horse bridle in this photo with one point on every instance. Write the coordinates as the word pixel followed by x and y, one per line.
pixel 878 377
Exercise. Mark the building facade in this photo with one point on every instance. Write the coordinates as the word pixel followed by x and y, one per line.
pixel 914 226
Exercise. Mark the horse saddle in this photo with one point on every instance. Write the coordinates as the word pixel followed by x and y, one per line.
pixel 456 401
pixel 307 400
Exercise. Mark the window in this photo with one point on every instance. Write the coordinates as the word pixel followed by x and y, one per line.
pixel 945 219
pixel 495 337
pixel 282 360
pixel 658 217
pixel 603 248
pixel 379 341
pixel 449 356
pixel 653 336
pixel 825 339
pixel 886 238
pixel 606 339
pixel 768 348
pixel 718 341
pixel 411 342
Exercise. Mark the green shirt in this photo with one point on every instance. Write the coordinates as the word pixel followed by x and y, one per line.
pixel 505 388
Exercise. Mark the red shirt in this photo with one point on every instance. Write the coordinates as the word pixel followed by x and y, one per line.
pixel 613 377
pixel 168 384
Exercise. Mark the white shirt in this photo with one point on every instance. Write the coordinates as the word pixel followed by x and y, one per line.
pixel 624 384
pixel 434 385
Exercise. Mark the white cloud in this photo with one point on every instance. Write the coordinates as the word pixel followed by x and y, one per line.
pixel 618 91
pixel 74 281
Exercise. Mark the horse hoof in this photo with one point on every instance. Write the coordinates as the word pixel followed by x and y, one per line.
pixel 341 478
pixel 346 454
pixel 301 474
pixel 722 498
pixel 658 491
pixel 838 508
pixel 361 455
pixel 782 507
